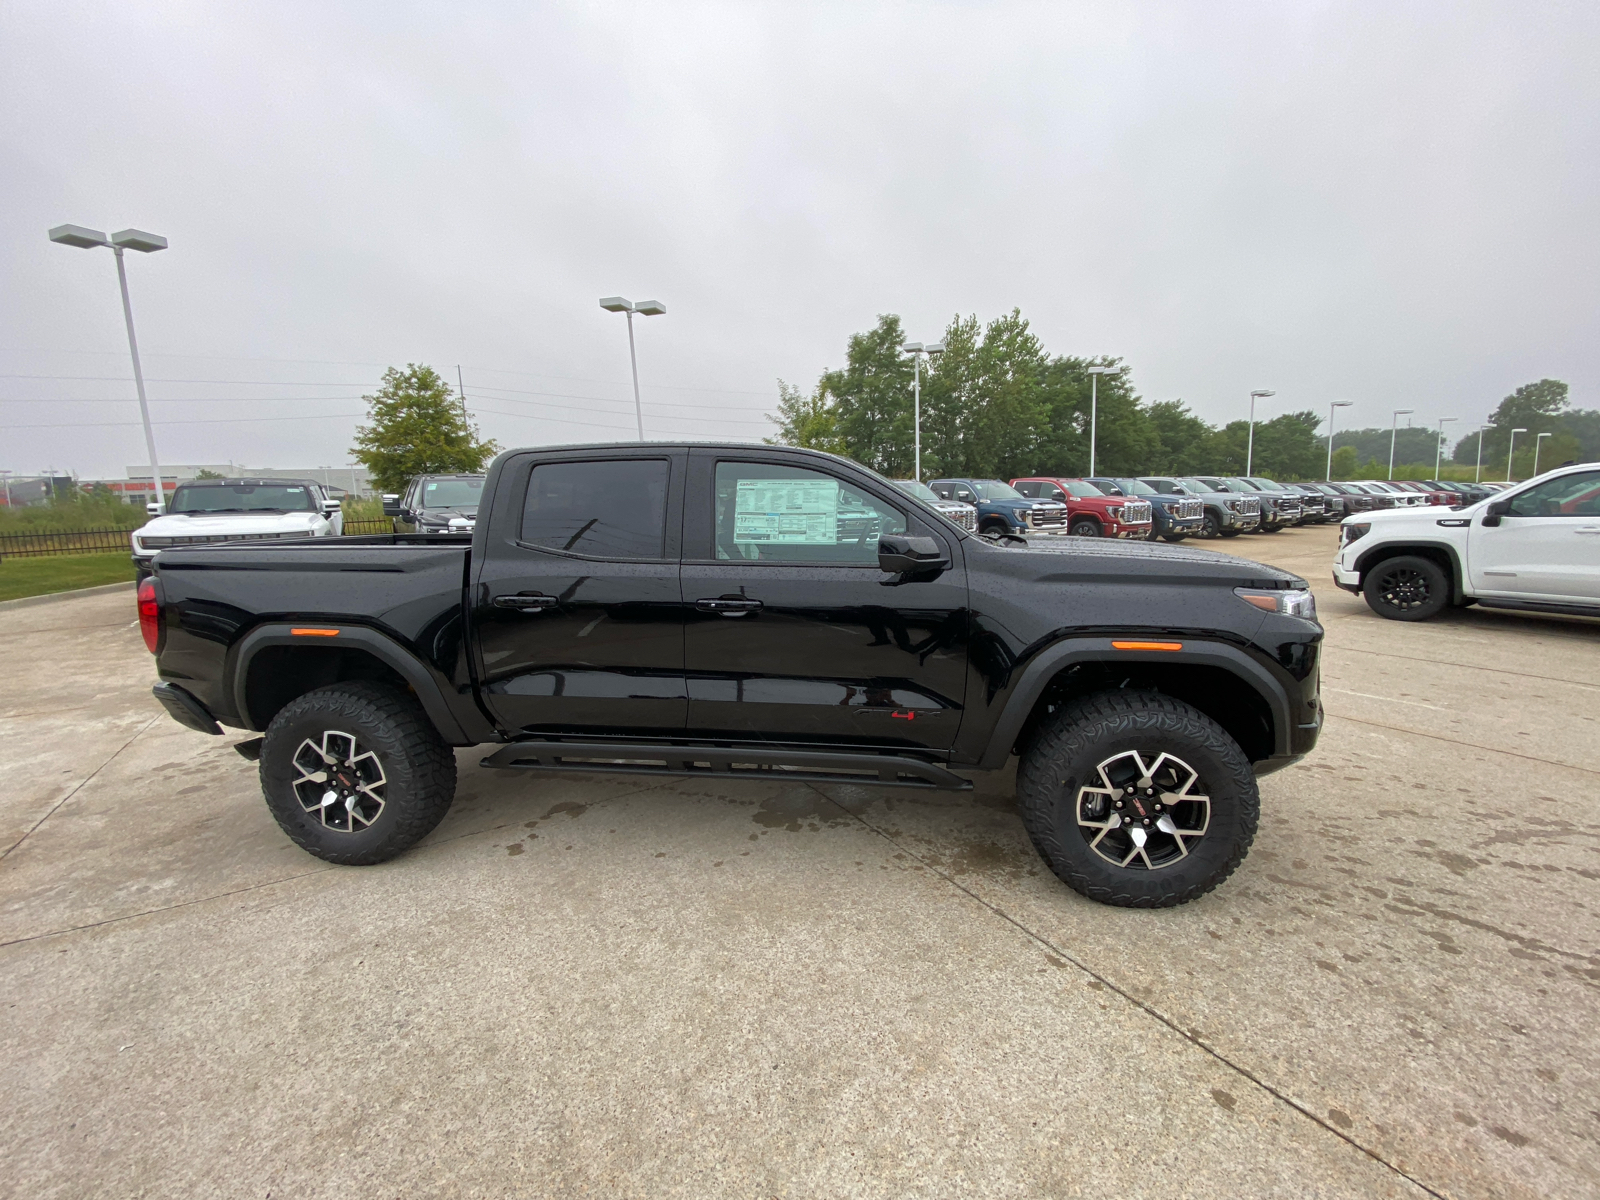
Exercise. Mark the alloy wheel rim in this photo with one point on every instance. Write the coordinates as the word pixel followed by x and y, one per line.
pixel 340 782
pixel 1144 810
pixel 1404 588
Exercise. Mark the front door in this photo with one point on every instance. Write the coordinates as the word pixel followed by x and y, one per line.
pixel 577 608
pixel 1547 547
pixel 792 634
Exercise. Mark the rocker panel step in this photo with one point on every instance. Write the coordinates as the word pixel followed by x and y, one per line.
pixel 816 766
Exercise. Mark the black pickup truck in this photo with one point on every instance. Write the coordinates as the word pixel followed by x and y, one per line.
pixel 750 612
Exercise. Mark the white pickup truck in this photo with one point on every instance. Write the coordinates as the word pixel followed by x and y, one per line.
pixel 237 510
pixel 1534 546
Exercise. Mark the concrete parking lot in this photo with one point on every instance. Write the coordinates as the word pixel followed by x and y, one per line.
pixel 602 986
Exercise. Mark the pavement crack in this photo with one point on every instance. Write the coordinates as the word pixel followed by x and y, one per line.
pixel 1548 762
pixel 1051 948
pixel 1440 662
pixel 82 783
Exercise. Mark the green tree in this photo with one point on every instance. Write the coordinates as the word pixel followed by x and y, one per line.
pixel 804 420
pixel 416 427
pixel 1345 462
pixel 871 398
pixel 203 473
pixel 1536 407
pixel 1180 439
pixel 1287 447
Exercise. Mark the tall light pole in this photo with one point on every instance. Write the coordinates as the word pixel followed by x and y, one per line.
pixel 1438 444
pixel 6 475
pixel 1477 475
pixel 1511 451
pixel 1331 407
pixel 1537 443
pixel 1094 408
pixel 145 243
pixel 918 352
pixel 1394 430
pixel 1250 452
pixel 645 308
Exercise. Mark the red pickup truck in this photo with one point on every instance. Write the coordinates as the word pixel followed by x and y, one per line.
pixel 1090 512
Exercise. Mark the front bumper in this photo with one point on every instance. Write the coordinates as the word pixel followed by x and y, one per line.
pixel 1122 530
pixel 1244 521
pixel 1349 581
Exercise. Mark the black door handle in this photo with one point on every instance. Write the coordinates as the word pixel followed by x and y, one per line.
pixel 525 603
pixel 728 607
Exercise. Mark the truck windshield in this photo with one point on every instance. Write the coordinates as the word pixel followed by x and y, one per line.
pixel 920 490
pixel 451 493
pixel 993 489
pixel 242 497
pixel 1080 489
pixel 1136 487
pixel 1195 484
pixel 1169 487
pixel 1266 485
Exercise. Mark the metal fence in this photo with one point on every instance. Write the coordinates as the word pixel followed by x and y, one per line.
pixel 116 541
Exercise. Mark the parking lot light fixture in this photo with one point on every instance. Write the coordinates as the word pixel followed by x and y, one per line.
pixel 645 308
pixel 918 352
pixel 1250 451
pixel 145 243
pixel 1331 407
pixel 1477 475
pixel 1094 408
pixel 1394 429
pixel 1538 442
pixel 1438 447
pixel 1511 451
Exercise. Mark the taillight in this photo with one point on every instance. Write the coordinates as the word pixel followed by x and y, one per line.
pixel 150 615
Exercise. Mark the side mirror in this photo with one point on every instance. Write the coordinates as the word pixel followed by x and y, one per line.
pixel 329 507
pixel 910 555
pixel 391 506
pixel 1492 514
pixel 153 509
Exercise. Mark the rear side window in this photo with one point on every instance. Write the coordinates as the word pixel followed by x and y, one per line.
pixel 610 509
pixel 1028 488
pixel 771 513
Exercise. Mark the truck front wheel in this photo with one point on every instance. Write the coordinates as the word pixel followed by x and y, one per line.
pixel 1406 588
pixel 1136 799
pixel 1086 527
pixel 355 773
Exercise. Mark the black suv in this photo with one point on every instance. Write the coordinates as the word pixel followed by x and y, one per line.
pixel 436 504
pixel 715 610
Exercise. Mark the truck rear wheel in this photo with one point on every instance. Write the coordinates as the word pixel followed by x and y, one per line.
pixel 355 773
pixel 1136 799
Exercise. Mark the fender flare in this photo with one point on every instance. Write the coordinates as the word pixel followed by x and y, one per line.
pixel 1375 554
pixel 1054 659
pixel 381 646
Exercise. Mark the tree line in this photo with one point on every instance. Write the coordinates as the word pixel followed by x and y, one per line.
pixel 996 404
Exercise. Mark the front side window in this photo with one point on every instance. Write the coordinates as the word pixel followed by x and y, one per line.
pixel 608 509
pixel 243 498
pixel 1166 487
pixel 1569 496
pixel 767 512
pixel 1029 488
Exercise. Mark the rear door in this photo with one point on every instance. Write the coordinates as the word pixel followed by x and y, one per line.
pixel 577 610
pixel 1547 547
pixel 792 634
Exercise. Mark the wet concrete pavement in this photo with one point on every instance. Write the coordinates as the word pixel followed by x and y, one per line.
pixel 608 985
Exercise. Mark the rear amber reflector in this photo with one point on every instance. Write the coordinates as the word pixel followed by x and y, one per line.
pixel 315 632
pixel 1147 645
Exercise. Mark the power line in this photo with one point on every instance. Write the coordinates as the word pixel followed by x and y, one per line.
pixel 196 421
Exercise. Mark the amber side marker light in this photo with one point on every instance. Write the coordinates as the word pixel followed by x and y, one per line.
pixel 1147 645
pixel 315 632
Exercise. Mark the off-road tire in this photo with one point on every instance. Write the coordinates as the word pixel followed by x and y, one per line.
pixel 1063 754
pixel 1084 527
pixel 418 766
pixel 1406 588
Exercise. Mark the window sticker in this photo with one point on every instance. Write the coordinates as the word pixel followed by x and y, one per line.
pixel 795 512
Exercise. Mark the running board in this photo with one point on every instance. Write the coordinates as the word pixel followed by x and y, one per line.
pixel 723 762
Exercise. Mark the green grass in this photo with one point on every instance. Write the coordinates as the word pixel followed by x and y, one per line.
pixel 61 573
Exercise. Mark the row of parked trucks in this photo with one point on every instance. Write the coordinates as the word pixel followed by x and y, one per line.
pixel 1171 507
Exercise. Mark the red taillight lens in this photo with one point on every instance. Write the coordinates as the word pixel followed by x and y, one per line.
pixel 149 615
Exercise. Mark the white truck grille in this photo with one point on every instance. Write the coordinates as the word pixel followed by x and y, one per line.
pixel 1185 510
pixel 1135 511
pixel 1046 516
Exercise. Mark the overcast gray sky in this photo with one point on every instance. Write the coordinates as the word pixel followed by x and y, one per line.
pixel 1387 202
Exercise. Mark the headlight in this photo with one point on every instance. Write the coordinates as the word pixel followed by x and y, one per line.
pixel 1295 602
pixel 1349 533
pixel 1233 505
pixel 1115 513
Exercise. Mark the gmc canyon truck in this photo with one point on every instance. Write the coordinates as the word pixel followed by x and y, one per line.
pixel 710 610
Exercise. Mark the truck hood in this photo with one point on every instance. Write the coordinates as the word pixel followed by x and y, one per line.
pixel 1104 559
pixel 442 516
pixel 225 524
pixel 1417 516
